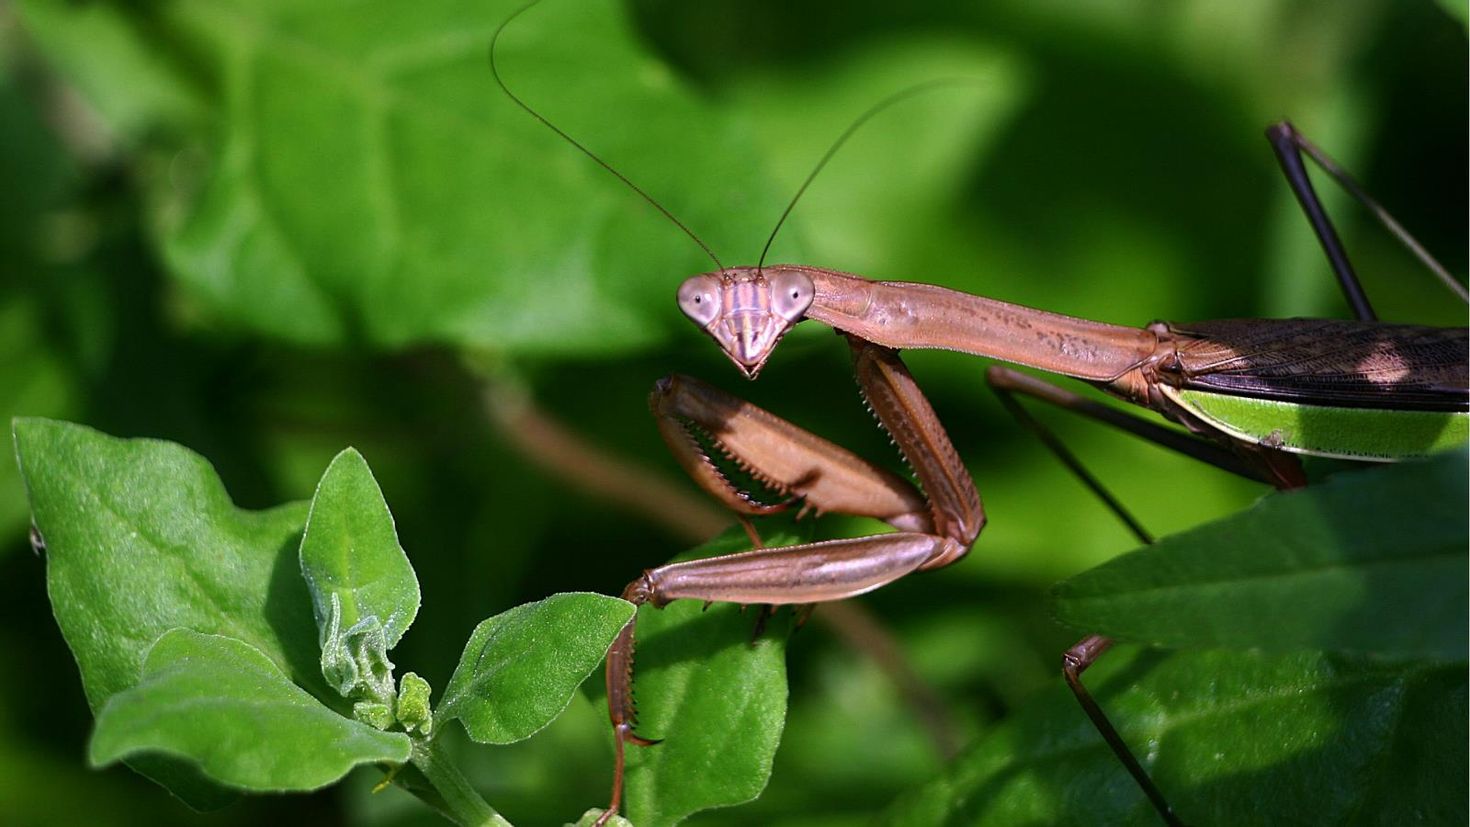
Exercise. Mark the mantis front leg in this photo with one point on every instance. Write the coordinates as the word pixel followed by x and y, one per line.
pixel 935 528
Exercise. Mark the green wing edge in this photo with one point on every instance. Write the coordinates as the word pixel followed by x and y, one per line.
pixel 1324 431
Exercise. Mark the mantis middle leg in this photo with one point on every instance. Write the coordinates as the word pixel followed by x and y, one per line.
pixel 1008 384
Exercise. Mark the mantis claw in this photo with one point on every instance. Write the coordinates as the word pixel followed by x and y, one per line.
pixel 625 732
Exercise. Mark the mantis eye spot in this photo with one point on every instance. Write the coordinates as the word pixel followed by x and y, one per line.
pixel 699 299
pixel 791 295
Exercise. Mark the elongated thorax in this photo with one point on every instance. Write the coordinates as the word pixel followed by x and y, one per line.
pixel 912 315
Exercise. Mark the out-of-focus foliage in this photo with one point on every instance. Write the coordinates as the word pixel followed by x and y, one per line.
pixel 270 230
pixel 1370 563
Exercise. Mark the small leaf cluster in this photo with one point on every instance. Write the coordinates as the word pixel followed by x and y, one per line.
pixel 225 650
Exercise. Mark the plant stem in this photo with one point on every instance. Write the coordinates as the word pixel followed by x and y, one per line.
pixel 449 791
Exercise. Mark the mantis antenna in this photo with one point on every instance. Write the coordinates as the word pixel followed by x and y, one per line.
pixel 495 71
pixel 895 98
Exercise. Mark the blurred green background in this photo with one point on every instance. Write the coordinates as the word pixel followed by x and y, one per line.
pixel 270 230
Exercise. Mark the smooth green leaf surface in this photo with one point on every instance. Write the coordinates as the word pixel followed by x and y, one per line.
pixel 1230 738
pixel 221 703
pixel 520 667
pixel 142 538
pixel 714 694
pixel 1370 562
pixel 359 176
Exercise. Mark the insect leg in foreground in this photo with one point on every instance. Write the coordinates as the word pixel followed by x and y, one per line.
pixel 1007 384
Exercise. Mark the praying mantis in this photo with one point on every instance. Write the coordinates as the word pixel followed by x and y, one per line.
pixel 1252 396
pixel 1373 391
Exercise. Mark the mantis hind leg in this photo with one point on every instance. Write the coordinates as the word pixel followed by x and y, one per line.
pixel 1290 145
pixel 1008 385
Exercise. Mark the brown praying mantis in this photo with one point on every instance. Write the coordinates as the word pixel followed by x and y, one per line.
pixel 1388 391
pixel 1252 395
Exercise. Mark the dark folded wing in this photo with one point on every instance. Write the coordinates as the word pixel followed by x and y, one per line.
pixel 1334 362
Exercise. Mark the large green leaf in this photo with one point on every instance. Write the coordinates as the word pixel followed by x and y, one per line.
pixel 360 176
pixel 1371 562
pixel 520 667
pixel 714 694
pixel 362 586
pixel 141 538
pixel 221 703
pixel 1230 738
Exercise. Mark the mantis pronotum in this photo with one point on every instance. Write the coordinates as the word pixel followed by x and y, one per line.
pixel 1243 389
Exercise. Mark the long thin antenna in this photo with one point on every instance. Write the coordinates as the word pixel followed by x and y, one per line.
pixel 896 97
pixel 495 71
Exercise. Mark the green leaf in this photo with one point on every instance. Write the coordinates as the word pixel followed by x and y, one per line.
pixel 1230 738
pixel 520 667
pixel 142 538
pixel 362 178
pixel 363 588
pixel 1370 562
pixel 221 703
pixel 714 694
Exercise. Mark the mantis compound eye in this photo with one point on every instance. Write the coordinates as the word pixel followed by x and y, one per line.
pixel 791 294
pixel 699 298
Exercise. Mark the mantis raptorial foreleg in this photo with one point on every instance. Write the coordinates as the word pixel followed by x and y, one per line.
pixel 935 528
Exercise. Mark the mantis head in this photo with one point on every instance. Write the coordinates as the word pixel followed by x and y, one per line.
pixel 747 310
